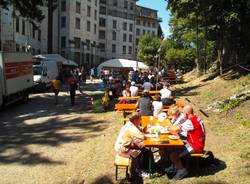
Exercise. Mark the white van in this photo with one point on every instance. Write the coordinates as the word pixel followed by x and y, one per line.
pixel 46 68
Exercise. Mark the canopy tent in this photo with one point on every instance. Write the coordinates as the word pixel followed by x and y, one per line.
pixel 70 63
pixel 122 63
pixel 56 57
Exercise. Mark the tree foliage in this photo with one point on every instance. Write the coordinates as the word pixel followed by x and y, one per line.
pixel 217 30
pixel 148 49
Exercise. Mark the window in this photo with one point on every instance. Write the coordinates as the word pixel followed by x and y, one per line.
pixel 78 7
pixel 102 47
pixel 95 15
pixel 95 29
pixel 88 26
pixel 124 49
pixel 23 27
pixel 148 31
pixel 88 11
pixel 137 41
pixel 17 47
pixel 17 24
pixel 144 23
pixel 138 22
pixel 114 35
pixel 103 10
pixel 63 22
pixel 63 6
pixel 131 27
pixel 138 32
pixel 131 6
pixel 114 2
pixel 113 48
pixel 114 24
pixel 124 37
pixel 39 35
pixel 130 38
pixel 153 25
pixel 102 22
pixel 33 32
pixel 153 33
pixel 143 31
pixel 78 23
pixel 95 2
pixel 125 4
pixel 102 34
pixel 77 42
pixel 103 1
pixel 88 44
pixel 125 26
pixel 130 50
pixel 149 24
pixel 63 42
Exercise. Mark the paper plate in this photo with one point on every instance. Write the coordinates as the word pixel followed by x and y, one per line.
pixel 173 137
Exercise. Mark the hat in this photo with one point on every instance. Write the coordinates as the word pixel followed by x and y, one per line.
pixel 133 83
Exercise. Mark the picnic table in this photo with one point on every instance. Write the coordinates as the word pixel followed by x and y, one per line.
pixel 161 141
pixel 151 92
pixel 125 109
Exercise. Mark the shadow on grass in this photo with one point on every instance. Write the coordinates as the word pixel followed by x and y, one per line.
pixel 187 91
pixel 38 123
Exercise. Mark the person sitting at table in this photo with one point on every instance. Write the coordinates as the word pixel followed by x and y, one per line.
pixel 126 91
pixel 178 119
pixel 130 143
pixel 147 85
pixel 195 141
pixel 144 104
pixel 166 95
pixel 157 105
pixel 133 89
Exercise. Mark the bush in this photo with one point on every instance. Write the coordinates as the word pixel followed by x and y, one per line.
pixel 230 105
pixel 245 122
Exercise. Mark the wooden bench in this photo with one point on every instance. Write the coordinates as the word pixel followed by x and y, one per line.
pixel 121 163
pixel 197 156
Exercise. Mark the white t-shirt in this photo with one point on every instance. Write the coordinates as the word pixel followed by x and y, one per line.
pixel 133 90
pixel 147 86
pixel 165 93
pixel 125 93
pixel 157 107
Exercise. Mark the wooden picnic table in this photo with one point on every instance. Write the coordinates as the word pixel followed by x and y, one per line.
pixel 125 108
pixel 129 98
pixel 163 141
pixel 151 92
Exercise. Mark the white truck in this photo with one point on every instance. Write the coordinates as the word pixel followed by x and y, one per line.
pixel 16 77
pixel 46 68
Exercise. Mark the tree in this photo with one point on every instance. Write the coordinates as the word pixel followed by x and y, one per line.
pixel 219 24
pixel 31 9
pixel 148 49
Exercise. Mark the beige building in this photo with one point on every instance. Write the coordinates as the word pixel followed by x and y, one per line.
pixel 86 31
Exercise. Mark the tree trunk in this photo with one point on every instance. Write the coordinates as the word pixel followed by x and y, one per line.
pixel 50 26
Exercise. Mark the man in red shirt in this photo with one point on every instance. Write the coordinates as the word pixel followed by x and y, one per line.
pixel 195 140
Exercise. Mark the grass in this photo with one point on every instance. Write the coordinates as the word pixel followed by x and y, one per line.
pixel 245 122
pixel 230 105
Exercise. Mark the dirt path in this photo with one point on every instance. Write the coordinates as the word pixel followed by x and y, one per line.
pixel 46 143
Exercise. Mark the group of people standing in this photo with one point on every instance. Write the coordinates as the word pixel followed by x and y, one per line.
pixel 72 80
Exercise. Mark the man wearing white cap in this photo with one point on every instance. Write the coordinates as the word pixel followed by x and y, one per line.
pixel 133 89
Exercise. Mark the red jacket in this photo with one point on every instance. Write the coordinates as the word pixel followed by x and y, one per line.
pixel 196 137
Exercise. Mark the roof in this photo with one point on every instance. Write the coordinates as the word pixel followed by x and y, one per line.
pixel 122 63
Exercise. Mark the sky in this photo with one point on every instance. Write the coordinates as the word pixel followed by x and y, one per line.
pixel 159 5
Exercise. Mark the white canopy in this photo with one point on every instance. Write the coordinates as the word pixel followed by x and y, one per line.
pixel 56 57
pixel 122 63
pixel 69 63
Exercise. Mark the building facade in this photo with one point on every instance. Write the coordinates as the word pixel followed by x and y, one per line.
pixel 86 31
